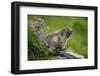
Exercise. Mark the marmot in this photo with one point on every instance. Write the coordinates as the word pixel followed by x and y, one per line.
pixel 57 40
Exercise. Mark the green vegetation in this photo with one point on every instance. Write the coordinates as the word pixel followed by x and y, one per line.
pixel 77 42
pixel 37 49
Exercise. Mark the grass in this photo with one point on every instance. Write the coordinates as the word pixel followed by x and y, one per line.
pixel 78 40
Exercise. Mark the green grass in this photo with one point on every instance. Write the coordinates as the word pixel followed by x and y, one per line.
pixel 78 40
pixel 37 49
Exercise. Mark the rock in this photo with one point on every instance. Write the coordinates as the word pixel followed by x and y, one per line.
pixel 69 55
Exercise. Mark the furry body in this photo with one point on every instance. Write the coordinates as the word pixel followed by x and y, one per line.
pixel 57 40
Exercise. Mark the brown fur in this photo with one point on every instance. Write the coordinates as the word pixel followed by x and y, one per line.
pixel 57 40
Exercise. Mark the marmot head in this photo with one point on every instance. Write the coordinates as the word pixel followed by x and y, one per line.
pixel 67 32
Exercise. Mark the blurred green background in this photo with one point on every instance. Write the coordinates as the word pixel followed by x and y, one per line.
pixel 78 41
